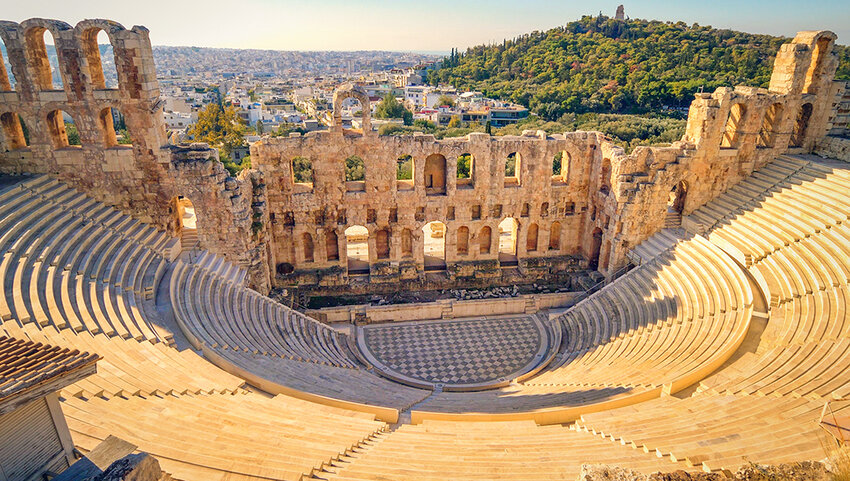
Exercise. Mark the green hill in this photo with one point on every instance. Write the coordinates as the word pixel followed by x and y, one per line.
pixel 598 64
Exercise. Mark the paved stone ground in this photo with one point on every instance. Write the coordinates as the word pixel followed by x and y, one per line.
pixel 456 352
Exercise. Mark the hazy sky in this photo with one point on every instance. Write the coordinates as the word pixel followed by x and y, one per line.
pixel 423 25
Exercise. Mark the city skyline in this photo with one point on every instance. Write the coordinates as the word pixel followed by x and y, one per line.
pixel 405 25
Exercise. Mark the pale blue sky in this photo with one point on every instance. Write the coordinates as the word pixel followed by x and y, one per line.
pixel 435 25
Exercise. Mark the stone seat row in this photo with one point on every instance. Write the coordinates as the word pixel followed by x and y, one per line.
pixel 221 314
pixel 131 368
pixel 715 432
pixel 752 188
pixel 777 220
pixel 223 436
pixel 86 271
pixel 439 450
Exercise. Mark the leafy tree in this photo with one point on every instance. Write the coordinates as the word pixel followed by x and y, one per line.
pixel 445 100
pixel 354 169
pixel 389 108
pixel 302 170
pixel 260 127
pixel 488 128
pixel 72 133
pixel 220 127
pixel 510 165
pixel 405 168
pixel 556 163
pixel 454 122
pixel 464 162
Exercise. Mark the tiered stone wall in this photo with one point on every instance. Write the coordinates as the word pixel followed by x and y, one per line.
pixel 599 206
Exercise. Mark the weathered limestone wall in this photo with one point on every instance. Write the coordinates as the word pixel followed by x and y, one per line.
pixel 142 179
pixel 601 204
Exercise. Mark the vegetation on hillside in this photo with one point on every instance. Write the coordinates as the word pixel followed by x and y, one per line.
pixel 598 64
pixel 221 127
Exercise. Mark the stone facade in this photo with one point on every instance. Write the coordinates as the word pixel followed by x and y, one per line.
pixel 601 204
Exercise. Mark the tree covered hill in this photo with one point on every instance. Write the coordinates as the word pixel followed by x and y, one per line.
pixel 599 64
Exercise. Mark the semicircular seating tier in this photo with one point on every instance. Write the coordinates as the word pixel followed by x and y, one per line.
pixel 658 329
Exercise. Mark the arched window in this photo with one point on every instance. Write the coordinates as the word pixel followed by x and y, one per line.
pixel 355 174
pixel 62 129
pixel 555 236
pixel 48 74
pixel 733 130
pixel 435 175
pixel 302 174
pixel 772 118
pixel 561 167
pixel 100 57
pixel 382 244
pixel 307 241
pixel 465 171
pixel 406 243
pixel 331 245
pixel 801 126
pixel 13 131
pixel 7 78
pixel 531 238
pixel 485 240
pixel 404 172
pixel 513 167
pixel 463 240
pixel 525 210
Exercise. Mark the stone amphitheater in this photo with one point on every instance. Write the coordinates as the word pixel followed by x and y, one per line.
pixel 718 336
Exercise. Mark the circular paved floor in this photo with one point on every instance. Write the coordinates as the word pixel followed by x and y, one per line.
pixel 456 352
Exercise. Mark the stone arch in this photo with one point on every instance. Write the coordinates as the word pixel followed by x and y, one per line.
pixel 357 249
pixel 355 92
pixel 11 34
pixel 485 240
pixel 769 126
pixel 89 33
pixel 513 168
pixel 820 50
pixel 801 125
pixel 732 131
pixel 56 128
pixel 382 243
pixel 465 171
pixel 307 244
pixel 406 243
pixel 508 239
pixel 531 238
pixel 555 236
pixel 434 245
pixel 13 131
pixel 595 249
pixel 435 175
pixel 462 241
pixel 6 73
pixel 34 31
pixel 331 245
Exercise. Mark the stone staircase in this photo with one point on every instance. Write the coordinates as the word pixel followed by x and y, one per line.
pixel 661 242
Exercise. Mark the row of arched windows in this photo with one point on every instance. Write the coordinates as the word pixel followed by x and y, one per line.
pixel 434 172
pixel 434 233
pixel 62 129
pixel 771 122
pixel 45 63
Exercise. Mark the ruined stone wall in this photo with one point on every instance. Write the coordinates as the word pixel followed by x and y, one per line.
pixel 601 204
pixel 604 204
pixel 142 178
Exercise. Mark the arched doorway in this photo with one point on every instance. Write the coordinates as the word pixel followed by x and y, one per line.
pixel 676 199
pixel 595 249
pixel 434 246
pixel 508 230
pixel 801 126
pixel 185 221
pixel 357 250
